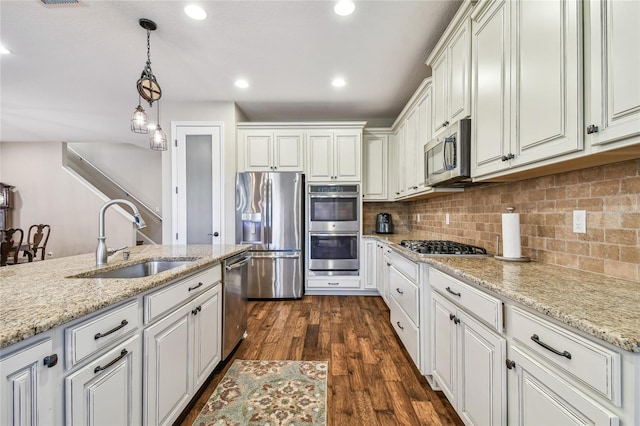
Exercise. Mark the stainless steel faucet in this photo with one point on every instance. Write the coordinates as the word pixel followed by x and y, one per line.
pixel 102 252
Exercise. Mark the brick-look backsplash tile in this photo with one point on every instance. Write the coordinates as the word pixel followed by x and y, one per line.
pixel 610 194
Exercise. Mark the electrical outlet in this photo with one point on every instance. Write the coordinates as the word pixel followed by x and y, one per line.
pixel 447 219
pixel 418 218
pixel 580 221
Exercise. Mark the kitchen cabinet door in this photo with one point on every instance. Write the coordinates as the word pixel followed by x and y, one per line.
pixel 612 57
pixel 401 148
pixel 546 75
pixel 347 155
pixel 444 348
pixel 537 396
pixel 410 153
pixel 369 262
pixel 168 369
pixel 491 90
pixel 107 390
pixel 320 153
pixel 207 327
pixel 375 182
pixel 439 73
pixel 423 136
pixel 27 386
pixel 258 150
pixel 482 397
pixel 288 151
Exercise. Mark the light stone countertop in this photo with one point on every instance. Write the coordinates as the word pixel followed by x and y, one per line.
pixel 604 307
pixel 37 297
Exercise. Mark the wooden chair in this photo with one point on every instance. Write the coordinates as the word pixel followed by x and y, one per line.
pixel 10 246
pixel 37 238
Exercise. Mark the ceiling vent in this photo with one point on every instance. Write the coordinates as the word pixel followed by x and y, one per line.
pixel 59 2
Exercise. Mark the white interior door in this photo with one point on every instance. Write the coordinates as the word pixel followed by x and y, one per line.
pixel 198 206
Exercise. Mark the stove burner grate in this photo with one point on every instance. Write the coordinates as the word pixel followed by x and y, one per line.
pixel 442 247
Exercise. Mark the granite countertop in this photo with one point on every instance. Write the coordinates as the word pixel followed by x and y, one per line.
pixel 39 296
pixel 601 306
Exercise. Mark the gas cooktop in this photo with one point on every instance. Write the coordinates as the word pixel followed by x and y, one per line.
pixel 442 248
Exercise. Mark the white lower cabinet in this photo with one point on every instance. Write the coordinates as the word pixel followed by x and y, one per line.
pixel 107 390
pixel 467 359
pixel 369 259
pixel 538 396
pixel 181 350
pixel 404 302
pixel 27 387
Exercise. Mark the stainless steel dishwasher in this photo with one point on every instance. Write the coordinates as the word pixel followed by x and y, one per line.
pixel 234 302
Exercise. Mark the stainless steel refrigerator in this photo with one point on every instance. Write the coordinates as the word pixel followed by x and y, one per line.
pixel 270 217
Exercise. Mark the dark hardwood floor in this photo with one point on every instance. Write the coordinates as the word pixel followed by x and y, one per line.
pixel 372 380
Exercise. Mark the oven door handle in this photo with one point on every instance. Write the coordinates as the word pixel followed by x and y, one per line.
pixel 333 234
pixel 350 195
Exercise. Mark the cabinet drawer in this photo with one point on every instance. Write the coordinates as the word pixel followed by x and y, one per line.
pixel 334 283
pixel 476 302
pixel 163 301
pixel 406 266
pixel 90 336
pixel 405 293
pixel 591 363
pixel 405 329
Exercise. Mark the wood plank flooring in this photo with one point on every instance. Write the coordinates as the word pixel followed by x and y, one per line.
pixel 372 380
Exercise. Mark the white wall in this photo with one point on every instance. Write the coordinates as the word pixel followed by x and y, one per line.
pixel 46 193
pixel 205 111
pixel 134 168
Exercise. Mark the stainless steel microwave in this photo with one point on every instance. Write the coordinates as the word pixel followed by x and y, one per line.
pixel 447 159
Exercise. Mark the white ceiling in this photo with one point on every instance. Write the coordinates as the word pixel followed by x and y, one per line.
pixel 72 71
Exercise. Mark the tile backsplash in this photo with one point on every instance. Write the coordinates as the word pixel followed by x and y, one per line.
pixel 610 195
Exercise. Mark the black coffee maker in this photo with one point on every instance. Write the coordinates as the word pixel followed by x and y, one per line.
pixel 384 225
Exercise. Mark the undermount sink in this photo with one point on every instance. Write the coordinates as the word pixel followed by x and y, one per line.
pixel 138 270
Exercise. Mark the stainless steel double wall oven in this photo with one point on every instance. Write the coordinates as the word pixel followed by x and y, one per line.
pixel 333 215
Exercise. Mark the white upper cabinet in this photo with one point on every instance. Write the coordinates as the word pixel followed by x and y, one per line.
pixel 270 150
pixel 334 154
pixel 526 83
pixel 451 71
pixel 412 130
pixel 612 82
pixel 375 167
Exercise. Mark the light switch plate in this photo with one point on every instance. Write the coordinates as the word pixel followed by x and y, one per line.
pixel 447 219
pixel 580 221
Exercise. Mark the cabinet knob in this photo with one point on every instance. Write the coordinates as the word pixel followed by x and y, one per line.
pixel 50 360
pixel 592 128
pixel 508 157
pixel 510 364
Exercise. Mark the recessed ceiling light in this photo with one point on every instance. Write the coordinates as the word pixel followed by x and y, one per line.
pixel 344 7
pixel 338 82
pixel 195 12
pixel 241 83
pixel 4 50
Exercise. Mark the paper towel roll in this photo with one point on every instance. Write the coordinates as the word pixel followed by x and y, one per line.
pixel 511 235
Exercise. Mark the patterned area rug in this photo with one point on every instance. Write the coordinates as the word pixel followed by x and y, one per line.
pixel 269 393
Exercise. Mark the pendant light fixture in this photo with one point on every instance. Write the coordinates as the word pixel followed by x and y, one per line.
pixel 149 90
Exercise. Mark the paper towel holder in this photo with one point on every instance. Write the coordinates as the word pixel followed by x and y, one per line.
pixel 510 209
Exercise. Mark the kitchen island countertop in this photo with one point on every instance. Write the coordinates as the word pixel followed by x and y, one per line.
pixel 601 306
pixel 39 296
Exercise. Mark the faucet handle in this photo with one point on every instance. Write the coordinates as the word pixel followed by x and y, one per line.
pixel 111 251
